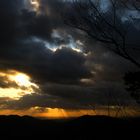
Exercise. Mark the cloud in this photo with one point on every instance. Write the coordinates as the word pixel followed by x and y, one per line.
pixel 64 65
pixel 41 63
pixel 72 97
pixel 26 40
pixel 9 11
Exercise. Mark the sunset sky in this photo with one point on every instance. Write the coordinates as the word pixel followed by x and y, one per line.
pixel 48 69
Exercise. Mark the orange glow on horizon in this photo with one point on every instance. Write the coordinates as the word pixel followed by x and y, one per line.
pixel 55 113
pixel 58 113
pixel 65 113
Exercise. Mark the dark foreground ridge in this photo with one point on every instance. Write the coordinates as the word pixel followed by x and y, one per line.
pixel 86 127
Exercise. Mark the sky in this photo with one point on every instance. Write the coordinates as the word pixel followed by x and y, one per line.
pixel 48 69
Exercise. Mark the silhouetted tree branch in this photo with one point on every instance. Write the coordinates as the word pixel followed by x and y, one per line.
pixel 131 4
pixel 132 81
pixel 105 24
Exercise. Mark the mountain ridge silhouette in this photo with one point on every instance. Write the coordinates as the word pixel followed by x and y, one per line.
pixel 84 127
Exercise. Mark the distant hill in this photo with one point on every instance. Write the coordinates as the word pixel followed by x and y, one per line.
pixel 85 127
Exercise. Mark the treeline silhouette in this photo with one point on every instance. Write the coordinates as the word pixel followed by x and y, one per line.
pixel 86 127
pixel 132 82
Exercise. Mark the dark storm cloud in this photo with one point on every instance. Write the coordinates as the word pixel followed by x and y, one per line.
pixel 52 8
pixel 86 96
pixel 65 67
pixel 108 65
pixel 39 26
pixel 44 100
pixel 19 22
pixel 9 11
pixel 68 65
pixel 72 97
pixel 18 26
pixel 49 18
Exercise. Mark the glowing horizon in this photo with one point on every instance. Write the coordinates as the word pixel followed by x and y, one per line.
pixel 58 113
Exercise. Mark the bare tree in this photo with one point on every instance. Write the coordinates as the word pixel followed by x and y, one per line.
pixel 131 4
pixel 105 24
pixel 132 82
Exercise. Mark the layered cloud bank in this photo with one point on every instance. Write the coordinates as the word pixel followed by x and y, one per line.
pixel 53 65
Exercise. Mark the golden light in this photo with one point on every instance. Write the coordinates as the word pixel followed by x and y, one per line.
pixel 12 93
pixel 58 113
pixel 87 81
pixel 55 113
pixel 51 113
pixel 19 83
pixel 22 79
pixel 35 5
